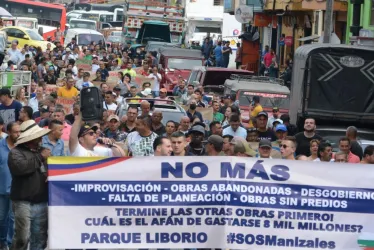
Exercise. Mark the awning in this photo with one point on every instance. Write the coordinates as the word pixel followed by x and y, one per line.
pixel 308 38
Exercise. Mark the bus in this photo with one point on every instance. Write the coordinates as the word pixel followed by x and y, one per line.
pixel 49 15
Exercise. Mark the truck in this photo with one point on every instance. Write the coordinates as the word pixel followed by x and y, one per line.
pixel 334 84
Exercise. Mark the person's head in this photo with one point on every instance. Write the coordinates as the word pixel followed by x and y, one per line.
pixel 193 104
pixel 156 117
pixel 59 115
pixel 272 51
pixel 133 91
pixel 310 125
pixel 56 127
pixel 227 100
pixel 33 86
pixel 146 85
pixel 129 66
pixel 197 133
pixel 132 113
pixel 216 128
pixel 215 106
pixel 281 131
pixel 368 155
pixel 352 133
pixel 109 97
pixel 117 90
pixel 276 112
pixel 227 147
pixel 76 109
pixel 181 84
pixel 264 148
pixel 104 87
pixel 301 158
pixel 238 45
pixel 163 93
pixel 252 135
pixel 178 142
pixel 345 145
pixel 145 107
pixel 325 151
pixel 162 146
pixel 190 89
pixel 214 144
pixel 314 146
pixel 234 121
pixel 102 65
pixel 20 94
pixel 25 113
pixel 143 125
pixel 80 73
pixel 113 123
pixel 341 157
pixel 288 147
pixel 286 119
pixel 87 136
pixel 5 95
pixel 185 123
pixel 262 120
pixel 241 148
pixel 86 77
pixel 14 131
pixel 198 94
pixel 170 127
pixel 69 83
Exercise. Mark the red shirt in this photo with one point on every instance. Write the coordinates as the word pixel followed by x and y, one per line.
pixel 352 158
pixel 267 59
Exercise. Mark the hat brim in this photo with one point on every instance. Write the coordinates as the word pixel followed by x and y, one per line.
pixel 27 138
pixel 94 128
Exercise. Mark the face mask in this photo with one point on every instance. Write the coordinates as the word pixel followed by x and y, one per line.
pixel 192 106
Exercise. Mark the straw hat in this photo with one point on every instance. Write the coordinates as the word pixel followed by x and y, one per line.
pixel 31 131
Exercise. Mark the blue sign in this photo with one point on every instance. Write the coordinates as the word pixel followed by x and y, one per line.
pixel 281 41
pixel 208 19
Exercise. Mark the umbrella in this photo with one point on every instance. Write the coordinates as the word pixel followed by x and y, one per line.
pixel 4 12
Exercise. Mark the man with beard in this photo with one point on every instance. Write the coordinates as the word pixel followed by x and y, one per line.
pixel 303 138
pixel 129 125
pixel 275 117
pixel 196 147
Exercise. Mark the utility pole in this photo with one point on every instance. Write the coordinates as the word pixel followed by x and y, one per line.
pixel 327 30
pixel 126 5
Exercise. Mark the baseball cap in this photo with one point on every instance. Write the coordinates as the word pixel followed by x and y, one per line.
pixel 281 127
pixel 215 140
pixel 226 97
pixel 198 128
pixel 85 128
pixel 262 113
pixel 68 50
pixel 44 109
pixel 278 120
pixel 4 91
pixel 265 143
pixel 111 117
pixel 275 109
pixel 163 90
pixel 241 146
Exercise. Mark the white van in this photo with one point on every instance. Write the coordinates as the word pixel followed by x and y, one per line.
pixel 84 37
pixel 76 23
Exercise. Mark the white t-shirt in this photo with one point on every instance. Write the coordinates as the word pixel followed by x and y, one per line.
pixel 98 151
pixel 112 106
pixel 139 145
pixel 156 84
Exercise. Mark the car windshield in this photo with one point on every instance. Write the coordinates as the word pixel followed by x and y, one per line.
pixel 75 24
pixel 34 36
pixel 86 39
pixel 266 99
pixel 177 63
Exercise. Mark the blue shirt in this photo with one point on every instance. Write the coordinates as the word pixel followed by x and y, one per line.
pixel 57 149
pixel 218 52
pixel 104 74
pixel 5 176
pixel 10 113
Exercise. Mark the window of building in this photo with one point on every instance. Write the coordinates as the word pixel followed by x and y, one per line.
pixel 218 2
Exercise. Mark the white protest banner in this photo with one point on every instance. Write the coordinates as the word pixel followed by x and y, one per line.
pixel 67 103
pixel 208 202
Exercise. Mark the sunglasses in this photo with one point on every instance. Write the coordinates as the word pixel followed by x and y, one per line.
pixel 283 146
pixel 90 133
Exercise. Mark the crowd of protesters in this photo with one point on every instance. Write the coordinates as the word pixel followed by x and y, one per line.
pixel 33 127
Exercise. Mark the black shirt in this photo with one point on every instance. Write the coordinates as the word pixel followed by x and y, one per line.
pixel 357 149
pixel 303 143
pixel 268 135
pixel 199 152
pixel 160 131
pixel 123 127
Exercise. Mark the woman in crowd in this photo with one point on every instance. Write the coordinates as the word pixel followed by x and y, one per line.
pixel 313 149
pixel 20 96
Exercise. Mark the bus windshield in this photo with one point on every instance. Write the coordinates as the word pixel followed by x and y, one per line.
pixel 86 39
pixel 82 24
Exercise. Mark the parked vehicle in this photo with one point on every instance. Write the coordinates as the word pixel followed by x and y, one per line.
pixel 26 36
pixel 154 31
pixel 76 23
pixel 175 63
pixel 211 76
pixel 272 93
pixel 84 37
pixel 154 46
pixel 171 111
pixel 333 84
